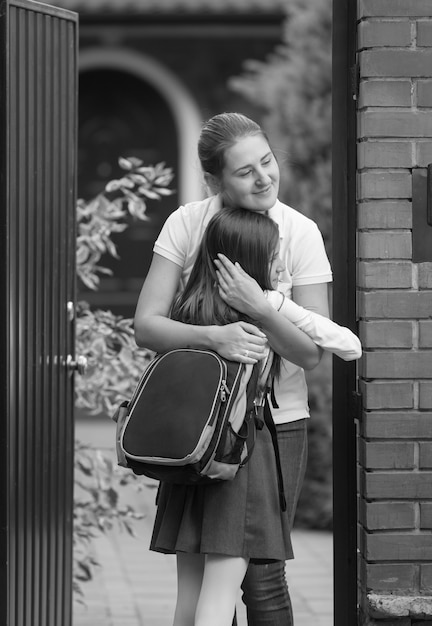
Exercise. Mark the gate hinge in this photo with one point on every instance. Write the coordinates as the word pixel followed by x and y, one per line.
pixel 355 80
pixel 356 405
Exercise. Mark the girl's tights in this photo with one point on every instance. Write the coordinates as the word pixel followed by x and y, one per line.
pixel 207 589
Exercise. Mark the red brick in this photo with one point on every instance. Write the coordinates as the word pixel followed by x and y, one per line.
pixel 425 578
pixel 425 275
pixel 387 334
pixel 397 364
pixel 383 245
pixel 385 154
pixel 385 93
pixel 398 547
pixel 387 455
pixel 392 577
pixel 397 395
pixel 385 214
pixel 424 33
pixel 425 461
pixel 395 124
pixel 400 425
pixel 395 63
pixel 425 395
pixel 394 8
pixel 384 184
pixel 426 515
pixel 425 334
pixel 391 515
pixel 384 275
pixel 384 33
pixel 395 304
pixel 398 486
pixel 423 153
pixel 424 93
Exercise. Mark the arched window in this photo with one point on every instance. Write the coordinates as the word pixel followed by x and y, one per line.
pixel 127 108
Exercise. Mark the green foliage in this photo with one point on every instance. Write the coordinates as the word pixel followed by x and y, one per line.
pixel 97 508
pixel 115 363
pixel 315 506
pixel 293 88
pixel 100 218
pixel 107 340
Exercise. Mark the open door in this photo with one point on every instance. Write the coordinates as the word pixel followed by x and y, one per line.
pixel 38 129
pixel 346 399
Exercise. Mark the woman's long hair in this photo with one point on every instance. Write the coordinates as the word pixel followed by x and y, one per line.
pixel 243 236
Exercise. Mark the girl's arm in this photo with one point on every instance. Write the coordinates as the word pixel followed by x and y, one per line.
pixel 325 333
pixel 243 293
pixel 156 331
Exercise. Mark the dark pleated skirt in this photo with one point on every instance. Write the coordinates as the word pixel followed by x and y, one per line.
pixel 234 518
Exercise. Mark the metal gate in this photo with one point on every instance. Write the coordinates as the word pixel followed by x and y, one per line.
pixel 38 95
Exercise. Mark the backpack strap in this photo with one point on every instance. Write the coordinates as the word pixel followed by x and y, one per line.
pixel 273 396
pixel 268 419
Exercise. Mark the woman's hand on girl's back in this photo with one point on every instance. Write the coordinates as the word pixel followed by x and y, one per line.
pixel 239 290
pixel 154 329
pixel 239 341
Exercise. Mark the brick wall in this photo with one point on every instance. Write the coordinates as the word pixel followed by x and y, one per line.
pixel 395 310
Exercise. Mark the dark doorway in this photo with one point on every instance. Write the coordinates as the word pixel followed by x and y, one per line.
pixel 122 116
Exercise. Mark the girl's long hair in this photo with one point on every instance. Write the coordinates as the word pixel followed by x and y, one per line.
pixel 243 236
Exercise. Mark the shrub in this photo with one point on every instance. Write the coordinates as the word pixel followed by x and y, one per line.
pixel 114 360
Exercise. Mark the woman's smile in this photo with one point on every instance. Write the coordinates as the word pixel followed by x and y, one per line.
pixel 250 177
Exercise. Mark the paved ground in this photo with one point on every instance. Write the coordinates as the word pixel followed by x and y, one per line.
pixel 136 587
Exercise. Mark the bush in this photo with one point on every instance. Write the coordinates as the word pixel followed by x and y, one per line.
pixel 315 506
pixel 115 363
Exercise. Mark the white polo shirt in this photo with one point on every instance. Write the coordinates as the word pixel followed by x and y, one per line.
pixel 303 253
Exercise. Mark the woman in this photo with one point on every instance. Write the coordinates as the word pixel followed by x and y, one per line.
pixel 216 529
pixel 240 169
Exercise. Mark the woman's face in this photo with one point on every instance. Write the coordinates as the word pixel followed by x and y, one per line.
pixel 276 267
pixel 250 177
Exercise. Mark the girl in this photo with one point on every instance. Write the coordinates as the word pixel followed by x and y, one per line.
pixel 216 529
pixel 240 170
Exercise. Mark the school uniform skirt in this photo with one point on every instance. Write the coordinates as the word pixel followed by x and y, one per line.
pixel 241 517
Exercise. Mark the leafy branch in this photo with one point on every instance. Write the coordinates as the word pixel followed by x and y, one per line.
pixel 115 363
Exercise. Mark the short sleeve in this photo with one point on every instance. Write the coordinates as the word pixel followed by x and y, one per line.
pixel 310 264
pixel 173 240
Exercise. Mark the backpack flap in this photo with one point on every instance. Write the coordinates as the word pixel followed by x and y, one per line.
pixel 172 414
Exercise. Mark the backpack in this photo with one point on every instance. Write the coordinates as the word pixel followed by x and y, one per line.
pixel 192 418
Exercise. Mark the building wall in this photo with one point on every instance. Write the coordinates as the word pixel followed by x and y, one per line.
pixel 395 310
pixel 145 89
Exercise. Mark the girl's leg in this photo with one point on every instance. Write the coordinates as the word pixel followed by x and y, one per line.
pixel 190 569
pixel 222 578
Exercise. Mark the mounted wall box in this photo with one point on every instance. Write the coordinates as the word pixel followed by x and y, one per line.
pixel 422 214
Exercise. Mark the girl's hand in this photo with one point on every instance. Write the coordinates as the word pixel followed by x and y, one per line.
pixel 240 342
pixel 239 290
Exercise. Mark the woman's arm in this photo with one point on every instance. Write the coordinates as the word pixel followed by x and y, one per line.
pixel 243 293
pixel 156 331
pixel 314 297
